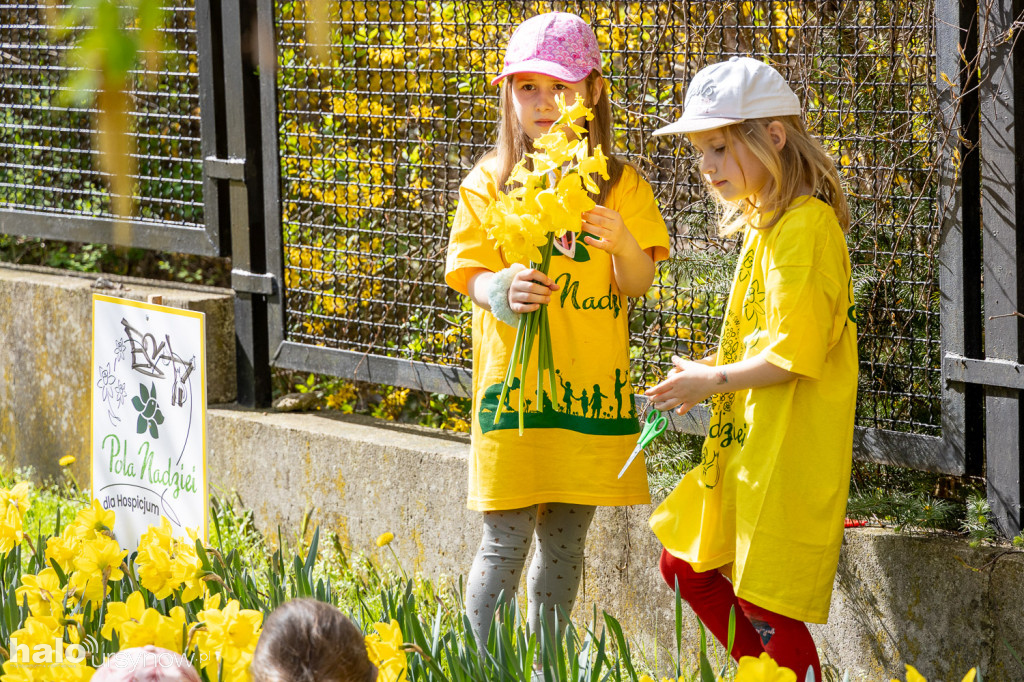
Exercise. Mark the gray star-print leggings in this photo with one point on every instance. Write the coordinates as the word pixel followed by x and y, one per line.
pixel 554 576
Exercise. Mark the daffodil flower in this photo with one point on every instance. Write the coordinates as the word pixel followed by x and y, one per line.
pixel 43 592
pixel 570 114
pixel 542 204
pixel 557 147
pixel 762 669
pixel 92 520
pixel 597 163
pixel 384 647
pixel 914 676
pixel 16 497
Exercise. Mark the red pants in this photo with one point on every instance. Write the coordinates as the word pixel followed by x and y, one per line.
pixel 711 597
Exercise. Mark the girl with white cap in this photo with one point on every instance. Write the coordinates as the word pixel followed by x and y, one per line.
pixel 756 528
pixel 547 482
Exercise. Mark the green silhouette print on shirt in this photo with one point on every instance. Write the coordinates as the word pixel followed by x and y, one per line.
pixel 582 411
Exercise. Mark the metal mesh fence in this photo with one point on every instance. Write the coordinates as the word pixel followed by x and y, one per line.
pixel 375 143
pixel 47 159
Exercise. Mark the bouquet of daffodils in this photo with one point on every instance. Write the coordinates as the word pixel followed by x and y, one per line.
pixel 547 202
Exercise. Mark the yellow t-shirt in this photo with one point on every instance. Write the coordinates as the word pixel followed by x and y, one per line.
pixel 573 445
pixel 770 493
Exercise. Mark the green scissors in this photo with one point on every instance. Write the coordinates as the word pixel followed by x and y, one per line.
pixel 654 426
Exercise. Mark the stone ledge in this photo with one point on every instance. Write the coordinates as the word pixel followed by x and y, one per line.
pixel 931 601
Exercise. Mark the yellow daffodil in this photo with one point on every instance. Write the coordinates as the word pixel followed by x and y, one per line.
pixel 21 672
pixel 66 460
pixel 384 648
pixel 147 629
pixel 43 592
pixel 763 669
pixel 526 178
pixel 574 197
pixel 590 164
pixel 543 165
pixel 914 676
pixel 157 573
pixel 385 539
pixel 189 573
pixel 63 549
pixel 519 236
pixel 70 672
pixel 98 562
pixel 102 556
pixel 557 146
pixel 230 634
pixel 92 520
pixel 11 531
pixel 119 613
pixel 570 114
pixel 17 497
pixel 155 560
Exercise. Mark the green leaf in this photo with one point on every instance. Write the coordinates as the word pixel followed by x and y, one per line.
pixel 620 641
pixel 139 405
pixel 152 430
pixel 143 393
pixel 706 673
pixel 140 425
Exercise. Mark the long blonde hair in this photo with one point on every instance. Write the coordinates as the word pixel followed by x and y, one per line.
pixel 513 142
pixel 802 162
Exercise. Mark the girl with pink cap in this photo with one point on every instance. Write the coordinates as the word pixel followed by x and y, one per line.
pixel 548 482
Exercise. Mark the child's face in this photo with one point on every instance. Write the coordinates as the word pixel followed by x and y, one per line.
pixel 732 169
pixel 533 96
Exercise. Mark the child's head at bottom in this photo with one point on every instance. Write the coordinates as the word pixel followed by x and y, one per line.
pixel 305 640
pixel 756 153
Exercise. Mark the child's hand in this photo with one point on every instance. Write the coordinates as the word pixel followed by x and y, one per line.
pixel 609 228
pixel 688 383
pixel 530 288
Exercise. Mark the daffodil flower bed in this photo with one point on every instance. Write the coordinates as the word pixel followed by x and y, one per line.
pixel 551 191
pixel 77 588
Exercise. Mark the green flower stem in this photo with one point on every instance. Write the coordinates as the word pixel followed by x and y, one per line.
pixel 532 326
pixel 510 372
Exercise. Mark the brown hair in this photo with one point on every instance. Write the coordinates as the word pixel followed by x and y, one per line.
pixel 513 142
pixel 305 640
pixel 802 162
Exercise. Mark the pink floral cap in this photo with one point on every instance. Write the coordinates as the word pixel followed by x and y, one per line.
pixel 146 664
pixel 556 44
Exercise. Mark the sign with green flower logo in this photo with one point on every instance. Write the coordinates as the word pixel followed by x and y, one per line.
pixel 148 416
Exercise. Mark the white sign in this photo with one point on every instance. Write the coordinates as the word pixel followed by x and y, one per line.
pixel 148 416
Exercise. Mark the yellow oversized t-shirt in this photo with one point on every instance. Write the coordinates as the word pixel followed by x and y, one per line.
pixel 575 443
pixel 770 493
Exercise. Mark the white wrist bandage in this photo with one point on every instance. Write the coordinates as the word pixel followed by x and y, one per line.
pixel 497 294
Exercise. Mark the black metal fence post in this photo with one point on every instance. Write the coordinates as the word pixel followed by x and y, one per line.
pixel 1002 173
pixel 956 37
pixel 240 21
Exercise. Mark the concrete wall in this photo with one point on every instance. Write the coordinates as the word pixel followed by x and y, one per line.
pixel 929 601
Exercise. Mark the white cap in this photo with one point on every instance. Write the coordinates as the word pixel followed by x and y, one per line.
pixel 733 91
